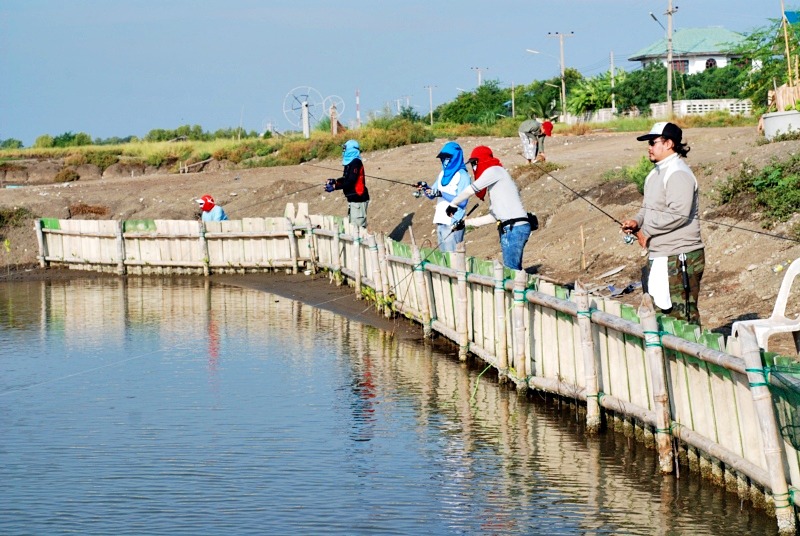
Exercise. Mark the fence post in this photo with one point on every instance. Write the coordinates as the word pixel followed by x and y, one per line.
pixel 422 289
pixel 337 254
pixel 501 339
pixel 654 353
pixel 460 261
pixel 589 359
pixel 42 249
pixel 384 273
pixel 770 437
pixel 293 249
pixel 312 245
pixel 357 267
pixel 120 248
pixel 204 249
pixel 520 278
pixel 376 270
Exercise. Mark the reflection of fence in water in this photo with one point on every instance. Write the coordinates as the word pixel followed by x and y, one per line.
pixel 694 388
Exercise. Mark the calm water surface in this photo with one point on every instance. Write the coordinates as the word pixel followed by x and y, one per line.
pixel 175 407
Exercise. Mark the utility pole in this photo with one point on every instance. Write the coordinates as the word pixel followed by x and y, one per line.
pixel 480 70
pixel 669 14
pixel 513 109
pixel 430 100
pixel 561 37
pixel 613 101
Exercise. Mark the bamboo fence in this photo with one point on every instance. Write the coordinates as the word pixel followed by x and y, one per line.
pixel 684 392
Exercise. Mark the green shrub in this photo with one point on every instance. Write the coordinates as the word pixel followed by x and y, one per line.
pixel 66 175
pixel 635 174
pixel 774 189
pixel 14 217
pixel 102 159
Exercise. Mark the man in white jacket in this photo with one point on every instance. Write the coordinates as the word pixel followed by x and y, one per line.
pixel 668 225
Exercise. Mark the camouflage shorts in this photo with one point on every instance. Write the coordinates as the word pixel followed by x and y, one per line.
pixel 695 264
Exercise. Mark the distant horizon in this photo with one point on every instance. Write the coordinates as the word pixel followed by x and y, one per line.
pixel 142 65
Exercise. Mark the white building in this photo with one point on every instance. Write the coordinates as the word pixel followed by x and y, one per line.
pixel 693 50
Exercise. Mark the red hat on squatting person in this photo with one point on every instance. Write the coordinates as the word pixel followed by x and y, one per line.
pixel 206 202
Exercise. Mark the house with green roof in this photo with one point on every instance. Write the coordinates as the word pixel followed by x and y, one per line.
pixel 693 49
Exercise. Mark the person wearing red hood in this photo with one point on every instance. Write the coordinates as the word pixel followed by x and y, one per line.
pixel 513 223
pixel 211 211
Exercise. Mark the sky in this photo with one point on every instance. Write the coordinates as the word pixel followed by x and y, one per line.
pixel 118 68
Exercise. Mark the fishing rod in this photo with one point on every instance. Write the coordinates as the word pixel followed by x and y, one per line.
pixel 698 218
pixel 370 176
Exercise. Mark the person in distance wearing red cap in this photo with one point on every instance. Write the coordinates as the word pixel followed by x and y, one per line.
pixel 211 211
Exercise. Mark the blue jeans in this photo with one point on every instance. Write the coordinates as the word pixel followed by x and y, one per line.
pixel 447 239
pixel 512 244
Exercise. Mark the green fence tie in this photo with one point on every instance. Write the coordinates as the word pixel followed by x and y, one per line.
pixel 599 395
pixel 649 344
pixel 792 491
pixel 783 497
pixel 587 313
pixel 764 372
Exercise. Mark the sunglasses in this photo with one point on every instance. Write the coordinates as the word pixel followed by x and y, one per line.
pixel 653 142
pixel 473 162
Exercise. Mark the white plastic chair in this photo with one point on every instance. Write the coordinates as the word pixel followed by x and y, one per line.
pixel 777 322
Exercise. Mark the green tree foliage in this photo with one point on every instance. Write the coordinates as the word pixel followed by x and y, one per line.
pixel 69 139
pixel 10 143
pixel 641 88
pixel 764 50
pixel 43 142
pixel 196 133
pixel 539 98
pixel 590 94
pixel 470 107
pixel 408 113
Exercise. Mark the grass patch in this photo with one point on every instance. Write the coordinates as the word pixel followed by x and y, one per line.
pixel 14 217
pixel 773 191
pixel 636 173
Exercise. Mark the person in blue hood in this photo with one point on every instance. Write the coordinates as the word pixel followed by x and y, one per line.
pixel 452 180
pixel 352 183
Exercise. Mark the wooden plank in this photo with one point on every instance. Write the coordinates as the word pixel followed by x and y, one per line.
pixel 550 359
pixel 618 379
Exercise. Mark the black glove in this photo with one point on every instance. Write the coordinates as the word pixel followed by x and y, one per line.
pixel 533 220
pixel 450 210
pixel 457 226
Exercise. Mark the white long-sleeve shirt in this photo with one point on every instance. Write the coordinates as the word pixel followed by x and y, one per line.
pixel 505 202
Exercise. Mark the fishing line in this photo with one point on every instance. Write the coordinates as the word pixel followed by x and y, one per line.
pixel 576 193
pixel 698 218
pixel 370 176
pixel 115 363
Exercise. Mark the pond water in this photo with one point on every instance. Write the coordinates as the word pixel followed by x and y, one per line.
pixel 148 406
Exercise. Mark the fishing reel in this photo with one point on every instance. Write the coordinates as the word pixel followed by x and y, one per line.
pixel 421 187
pixel 629 238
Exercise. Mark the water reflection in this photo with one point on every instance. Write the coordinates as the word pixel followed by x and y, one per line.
pixel 144 406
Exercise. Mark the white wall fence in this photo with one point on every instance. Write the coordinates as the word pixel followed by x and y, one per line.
pixel 679 390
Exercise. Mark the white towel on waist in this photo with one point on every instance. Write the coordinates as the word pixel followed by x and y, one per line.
pixel 658 283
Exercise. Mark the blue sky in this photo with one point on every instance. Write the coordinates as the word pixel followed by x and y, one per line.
pixel 119 68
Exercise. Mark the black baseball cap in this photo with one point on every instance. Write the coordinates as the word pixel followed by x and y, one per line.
pixel 663 130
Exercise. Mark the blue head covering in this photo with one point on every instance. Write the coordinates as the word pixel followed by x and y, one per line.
pixel 454 164
pixel 351 151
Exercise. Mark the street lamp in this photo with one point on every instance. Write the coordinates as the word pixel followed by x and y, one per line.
pixel 480 70
pixel 562 94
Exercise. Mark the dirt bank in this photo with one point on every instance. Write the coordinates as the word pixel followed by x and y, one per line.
pixel 739 281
